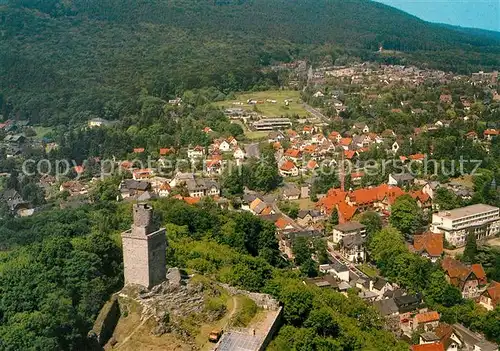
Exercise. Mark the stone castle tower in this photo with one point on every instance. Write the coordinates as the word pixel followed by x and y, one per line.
pixel 144 250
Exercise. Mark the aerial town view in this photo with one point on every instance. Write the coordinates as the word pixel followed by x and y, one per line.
pixel 249 175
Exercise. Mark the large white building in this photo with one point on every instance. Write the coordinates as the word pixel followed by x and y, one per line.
pixel 481 220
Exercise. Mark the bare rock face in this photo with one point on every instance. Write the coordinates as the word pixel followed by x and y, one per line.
pixel 173 301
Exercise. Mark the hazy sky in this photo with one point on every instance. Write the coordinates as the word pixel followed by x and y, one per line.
pixel 483 14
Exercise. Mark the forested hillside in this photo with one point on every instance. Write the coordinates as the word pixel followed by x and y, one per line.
pixel 69 59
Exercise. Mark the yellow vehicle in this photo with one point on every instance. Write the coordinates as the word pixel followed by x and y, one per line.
pixel 215 335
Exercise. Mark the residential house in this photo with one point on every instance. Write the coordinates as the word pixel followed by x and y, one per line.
pixel 213 166
pixel 388 309
pixel 259 207
pixel 15 202
pixel 340 270
pixel 275 137
pixel 293 155
pixel 139 174
pixel 291 192
pixel 490 298
pixel 467 279
pixel 239 154
pixel 361 127
pixel 306 218
pixel 489 134
pixel 130 188
pixel 380 286
pixel 289 169
pixel 353 248
pixel 401 179
pixel 428 347
pixel 164 190
pixel 473 341
pixel 448 337
pixel 427 321
pixel 74 188
pixel 429 245
pixel 98 122
pixel 352 228
pixel 196 152
pixel 202 187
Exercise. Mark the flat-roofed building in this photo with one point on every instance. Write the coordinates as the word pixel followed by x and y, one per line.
pixel 346 229
pixel 481 220
pixel 272 123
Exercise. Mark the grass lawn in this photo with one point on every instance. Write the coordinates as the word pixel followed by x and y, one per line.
pixel 256 135
pixel 368 270
pixel 42 131
pixel 270 109
pixel 305 204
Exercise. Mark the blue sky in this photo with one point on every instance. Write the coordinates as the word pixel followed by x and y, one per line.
pixel 483 14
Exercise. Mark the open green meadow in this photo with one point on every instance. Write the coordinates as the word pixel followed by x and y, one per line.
pixel 273 103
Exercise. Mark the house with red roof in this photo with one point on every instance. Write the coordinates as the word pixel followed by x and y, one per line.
pixel 335 137
pixel 417 157
pixel 289 169
pixel 345 143
pixel 308 130
pixel 311 165
pixel 472 135
pixel 429 245
pixel 467 279
pixel 138 150
pixel 166 151
pixel 140 174
pixel 436 346
pixel 490 298
pixel 293 155
pixel 489 134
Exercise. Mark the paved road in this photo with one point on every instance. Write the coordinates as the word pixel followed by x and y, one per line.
pixel 350 265
pixel 316 113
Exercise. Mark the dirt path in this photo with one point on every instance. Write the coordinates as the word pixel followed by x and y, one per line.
pixel 124 342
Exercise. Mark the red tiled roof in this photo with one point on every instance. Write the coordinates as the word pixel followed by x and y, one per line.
pixel 357 175
pixel 312 164
pixel 333 135
pixel 345 141
pixel 428 347
pixel 165 151
pixel 418 157
pixel 493 292
pixel 277 145
pixel 420 195
pixel 346 212
pixel 126 164
pixel 138 150
pixel 282 223
pixel 430 243
pixel 459 272
pixel 427 317
pixel 287 166
pixel 309 149
pixel 478 270
pixel 349 154
pixel 491 132
pixel 292 153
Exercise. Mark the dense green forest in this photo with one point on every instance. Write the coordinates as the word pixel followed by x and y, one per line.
pixel 52 289
pixel 63 61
